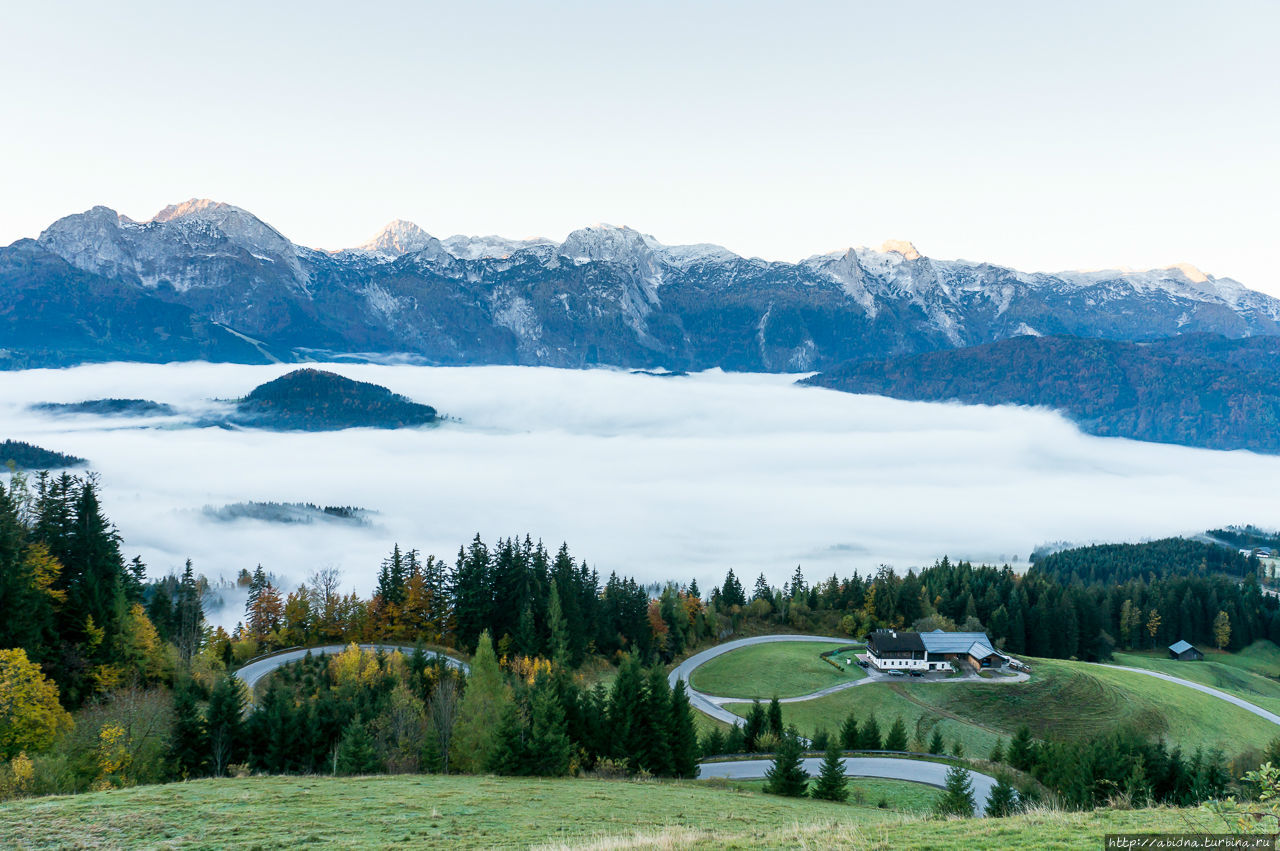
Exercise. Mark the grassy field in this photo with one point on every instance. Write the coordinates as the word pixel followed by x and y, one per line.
pixel 898 795
pixel 1063 700
pixel 487 812
pixel 1250 674
pixel 784 669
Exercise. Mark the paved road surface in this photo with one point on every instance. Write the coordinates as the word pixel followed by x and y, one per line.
pixel 704 702
pixel 887 768
pixel 254 671
pixel 1221 695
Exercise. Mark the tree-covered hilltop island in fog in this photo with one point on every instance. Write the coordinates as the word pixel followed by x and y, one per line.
pixel 316 400
pixel 28 456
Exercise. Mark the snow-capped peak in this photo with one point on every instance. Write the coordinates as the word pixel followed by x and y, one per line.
pixel 488 247
pixel 605 242
pixel 398 238
pixel 1192 274
pixel 900 246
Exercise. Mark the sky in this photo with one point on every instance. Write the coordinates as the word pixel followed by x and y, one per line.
pixel 657 478
pixel 1040 136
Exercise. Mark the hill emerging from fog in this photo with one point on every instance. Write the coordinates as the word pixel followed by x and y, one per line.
pixel 1194 390
pixel 316 400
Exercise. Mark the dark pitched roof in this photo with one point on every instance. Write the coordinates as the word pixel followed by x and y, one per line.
pixel 886 641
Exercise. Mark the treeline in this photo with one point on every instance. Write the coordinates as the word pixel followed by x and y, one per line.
pixel 1120 764
pixel 28 456
pixel 512 590
pixel 68 598
pixel 1037 614
pixel 1158 559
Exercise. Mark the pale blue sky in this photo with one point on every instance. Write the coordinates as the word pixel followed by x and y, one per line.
pixel 1042 136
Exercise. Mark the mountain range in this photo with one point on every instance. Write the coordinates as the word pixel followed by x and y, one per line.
pixel 207 280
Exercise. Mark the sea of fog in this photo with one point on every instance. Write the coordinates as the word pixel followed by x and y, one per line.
pixel 656 477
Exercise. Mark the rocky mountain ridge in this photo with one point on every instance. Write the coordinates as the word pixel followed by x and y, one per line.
pixel 209 280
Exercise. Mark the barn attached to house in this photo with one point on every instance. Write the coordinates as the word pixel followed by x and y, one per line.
pixel 1183 651
pixel 889 649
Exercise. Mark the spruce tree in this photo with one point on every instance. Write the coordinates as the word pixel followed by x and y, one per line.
pixel 683 734
pixel 356 753
pixel 756 725
pixel 735 740
pixel 936 745
pixel 713 741
pixel 869 735
pixel 997 752
pixel 626 702
pixel 787 776
pixel 897 738
pixel 850 739
pixel 775 717
pixel 225 723
pixel 654 745
pixel 189 740
pixel 821 739
pixel 957 795
pixel 549 748
pixel 832 784
pixel 1021 749
pixel 1003 800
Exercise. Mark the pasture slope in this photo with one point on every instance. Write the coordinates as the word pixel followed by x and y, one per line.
pixel 488 812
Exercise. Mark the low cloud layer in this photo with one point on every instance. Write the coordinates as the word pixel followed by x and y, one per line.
pixel 660 478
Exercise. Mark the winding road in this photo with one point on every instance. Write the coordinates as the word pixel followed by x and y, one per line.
pixel 253 672
pixel 1221 695
pixel 881 767
pixel 913 770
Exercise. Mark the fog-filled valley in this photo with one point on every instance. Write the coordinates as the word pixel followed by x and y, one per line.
pixel 662 478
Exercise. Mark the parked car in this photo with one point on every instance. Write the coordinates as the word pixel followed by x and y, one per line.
pixel 917 673
pixel 897 673
pixel 863 663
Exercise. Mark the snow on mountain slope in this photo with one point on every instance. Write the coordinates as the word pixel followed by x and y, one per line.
pixel 609 294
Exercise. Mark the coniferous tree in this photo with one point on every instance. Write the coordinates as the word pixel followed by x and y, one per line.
pixel 684 734
pixel 997 752
pixel 713 742
pixel 957 795
pixel 1003 800
pixel 189 739
pixel 731 592
pixel 549 748
pixel 556 624
pixel 1021 749
pixel 626 702
pixel 832 784
pixel 936 745
pixel 869 735
pixel 775 717
pixel 787 776
pixel 850 739
pixel 896 740
pixel 654 745
pixel 821 739
pixel 485 699
pixel 356 752
pixel 756 725
pixel 735 740
pixel 225 723
pixel 189 614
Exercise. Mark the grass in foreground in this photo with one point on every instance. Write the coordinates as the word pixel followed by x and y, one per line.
pixel 898 795
pixel 1063 700
pixel 488 812
pixel 784 669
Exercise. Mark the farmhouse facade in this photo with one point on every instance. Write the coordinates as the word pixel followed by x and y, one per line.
pixel 890 650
